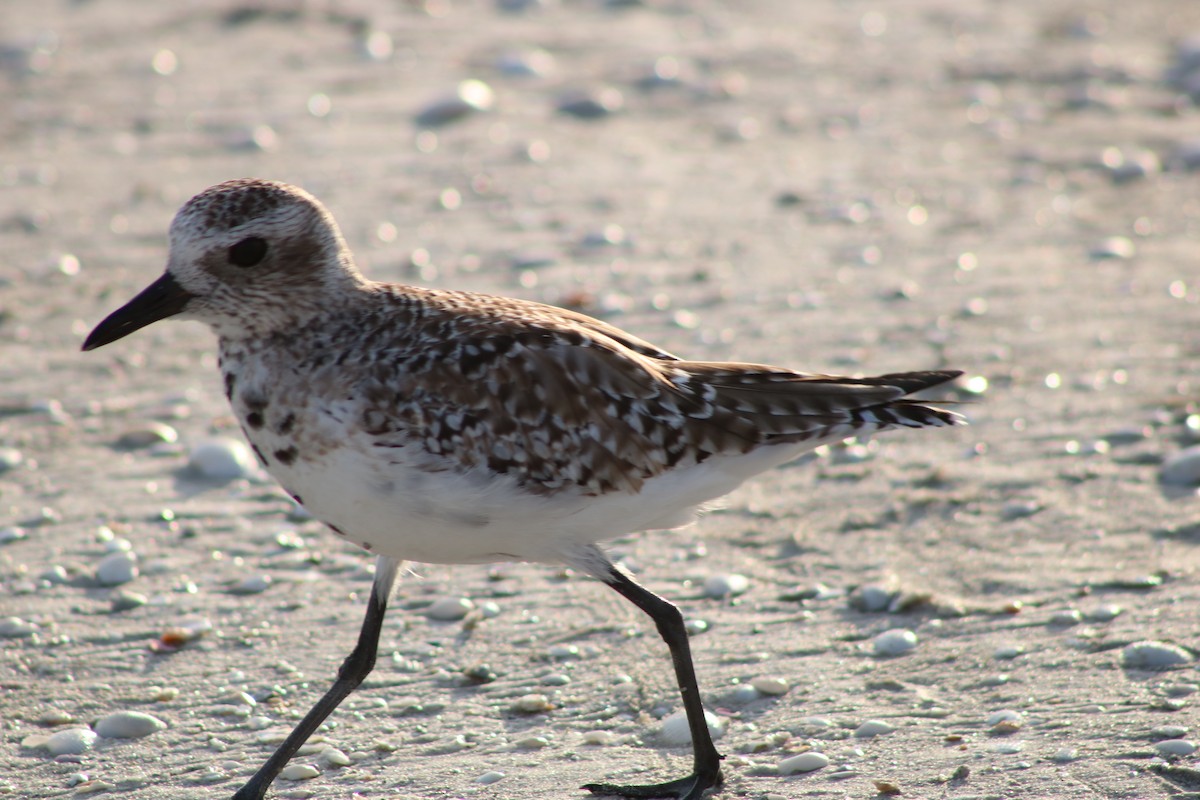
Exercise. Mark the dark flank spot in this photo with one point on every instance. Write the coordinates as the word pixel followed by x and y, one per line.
pixel 288 423
pixel 254 419
pixel 336 529
pixel 287 456
pixel 230 382
pixel 261 458
pixel 367 546
pixel 255 403
pixel 297 498
pixel 500 465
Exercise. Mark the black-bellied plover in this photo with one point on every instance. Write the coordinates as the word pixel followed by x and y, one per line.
pixel 459 428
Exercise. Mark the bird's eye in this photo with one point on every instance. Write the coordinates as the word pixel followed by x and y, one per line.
pixel 248 252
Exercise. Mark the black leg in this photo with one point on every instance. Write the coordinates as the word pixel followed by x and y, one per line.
pixel 354 669
pixel 706 761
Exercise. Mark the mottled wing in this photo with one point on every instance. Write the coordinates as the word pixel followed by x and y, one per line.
pixel 557 403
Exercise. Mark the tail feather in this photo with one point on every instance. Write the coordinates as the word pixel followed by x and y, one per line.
pixel 766 405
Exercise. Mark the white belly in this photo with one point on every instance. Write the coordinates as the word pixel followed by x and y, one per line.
pixel 400 510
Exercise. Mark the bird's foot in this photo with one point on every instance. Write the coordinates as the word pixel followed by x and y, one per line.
pixel 693 787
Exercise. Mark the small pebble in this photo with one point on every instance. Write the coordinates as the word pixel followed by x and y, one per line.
pixel 1004 721
pixel 16 628
pixel 480 673
pixel 591 104
pixel 1008 652
pixel 116 569
pixel 490 777
pixel 72 741
pixel 260 138
pixel 251 584
pixel 804 762
pixel 1019 509
pixel 58 716
pixel 853 454
pixel 221 459
pixel 1174 747
pixel 372 44
pixel 1105 613
pixel 299 772
pixel 873 598
pixel 470 97
pixel 741 694
pixel 94 786
pixel 10 458
pixel 695 627
pixel 599 738
pixel 1154 655
pixel 1131 434
pixel 817 723
pixel 54 574
pixel 147 435
pixel 872 728
pixel 676 733
pixel 1114 247
pixel 11 534
pixel 449 609
pixel 1066 616
pixel 237 699
pixel 128 725
pixel 532 742
pixel 332 757
pixel 125 600
pixel 1124 165
pixel 532 704
pixel 1181 468
pixel 1169 732
pixel 895 642
pixel 771 685
pixel 727 585
pixel 118 544
pixel 1065 755
pixel 531 63
pixel 45 516
pixel 610 235
pixel 181 634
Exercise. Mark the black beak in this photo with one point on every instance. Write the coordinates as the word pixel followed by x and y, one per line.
pixel 161 299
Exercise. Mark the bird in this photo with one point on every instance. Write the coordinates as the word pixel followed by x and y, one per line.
pixel 451 427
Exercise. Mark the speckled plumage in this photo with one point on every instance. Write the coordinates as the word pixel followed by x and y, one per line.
pixel 445 426
pixel 449 426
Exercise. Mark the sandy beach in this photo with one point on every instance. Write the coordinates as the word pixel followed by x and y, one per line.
pixel 1010 189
